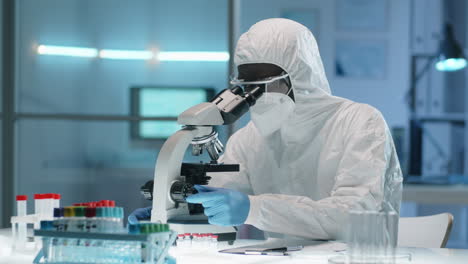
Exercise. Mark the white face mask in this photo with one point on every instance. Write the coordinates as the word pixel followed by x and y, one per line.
pixel 271 111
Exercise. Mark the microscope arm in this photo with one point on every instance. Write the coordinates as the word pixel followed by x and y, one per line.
pixel 168 167
pixel 167 171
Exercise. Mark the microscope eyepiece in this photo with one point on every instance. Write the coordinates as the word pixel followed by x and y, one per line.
pixel 237 90
pixel 252 96
pixel 235 102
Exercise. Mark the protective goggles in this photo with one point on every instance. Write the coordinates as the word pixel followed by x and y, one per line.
pixel 274 84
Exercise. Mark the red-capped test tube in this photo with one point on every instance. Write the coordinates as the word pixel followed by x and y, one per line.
pixel 38 201
pixel 57 198
pixel 21 210
pixel 48 206
pixel 21 201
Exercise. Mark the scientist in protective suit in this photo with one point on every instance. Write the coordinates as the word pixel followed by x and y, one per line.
pixel 306 157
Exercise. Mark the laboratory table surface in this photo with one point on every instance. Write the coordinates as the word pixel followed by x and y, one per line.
pixel 310 254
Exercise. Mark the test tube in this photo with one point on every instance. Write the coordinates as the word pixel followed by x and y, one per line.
pixel 69 217
pixel 57 198
pixel 38 198
pixel 90 213
pixel 180 241
pixel 80 223
pixel 108 219
pixel 188 240
pixel 214 241
pixel 21 210
pixel 195 240
pixel 58 219
pixel 21 201
pixel 48 206
pixel 99 219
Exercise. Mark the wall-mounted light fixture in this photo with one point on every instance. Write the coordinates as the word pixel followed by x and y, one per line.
pixel 133 54
pixel 126 54
pixel 67 51
pixel 451 57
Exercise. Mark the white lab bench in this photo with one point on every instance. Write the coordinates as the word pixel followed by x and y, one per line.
pixel 436 194
pixel 309 254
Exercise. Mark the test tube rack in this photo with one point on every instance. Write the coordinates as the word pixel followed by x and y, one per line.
pixel 103 247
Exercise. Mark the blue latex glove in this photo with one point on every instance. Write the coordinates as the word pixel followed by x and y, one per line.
pixel 170 260
pixel 224 207
pixel 140 214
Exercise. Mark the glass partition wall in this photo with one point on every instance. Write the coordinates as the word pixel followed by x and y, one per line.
pixel 76 62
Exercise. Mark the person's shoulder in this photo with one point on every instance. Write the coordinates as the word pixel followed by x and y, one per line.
pixel 246 132
pixel 361 108
pixel 241 141
pixel 243 136
pixel 357 116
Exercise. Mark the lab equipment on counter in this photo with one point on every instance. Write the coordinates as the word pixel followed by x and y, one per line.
pixel 197 241
pixel 94 232
pixel 19 229
pixel 372 235
pixel 43 210
pixel 44 205
pixel 145 242
pixel 89 219
pixel 372 238
pixel 175 180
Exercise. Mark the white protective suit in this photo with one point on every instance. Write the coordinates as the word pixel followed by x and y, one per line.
pixel 332 155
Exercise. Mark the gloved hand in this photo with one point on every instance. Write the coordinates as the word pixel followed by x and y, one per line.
pixel 170 260
pixel 140 214
pixel 224 207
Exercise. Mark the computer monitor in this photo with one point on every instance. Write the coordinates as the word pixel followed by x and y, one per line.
pixel 162 101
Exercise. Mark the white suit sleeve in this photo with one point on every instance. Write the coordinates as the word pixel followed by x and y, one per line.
pixel 359 184
pixel 232 180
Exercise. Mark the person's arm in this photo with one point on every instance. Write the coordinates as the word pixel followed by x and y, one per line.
pixel 359 184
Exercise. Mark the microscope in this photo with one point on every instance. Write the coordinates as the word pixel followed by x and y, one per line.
pixel 174 180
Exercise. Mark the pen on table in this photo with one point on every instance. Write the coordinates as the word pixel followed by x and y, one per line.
pixel 267 253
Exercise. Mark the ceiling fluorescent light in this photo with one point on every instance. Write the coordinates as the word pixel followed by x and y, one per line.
pixel 126 54
pixel 67 51
pixel 193 56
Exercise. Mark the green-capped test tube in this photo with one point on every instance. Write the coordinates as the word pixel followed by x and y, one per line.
pixel 157 227
pixel 80 218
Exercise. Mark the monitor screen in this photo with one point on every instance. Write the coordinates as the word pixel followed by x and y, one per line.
pixel 167 102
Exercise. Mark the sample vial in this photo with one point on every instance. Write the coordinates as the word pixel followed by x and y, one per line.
pixel 57 198
pixel 80 222
pixel 205 240
pixel 196 240
pixel 48 206
pixel 90 213
pixel 188 240
pixel 21 201
pixel 21 210
pixel 214 241
pixel 38 205
pixel 58 219
pixel 180 241
pixel 69 217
